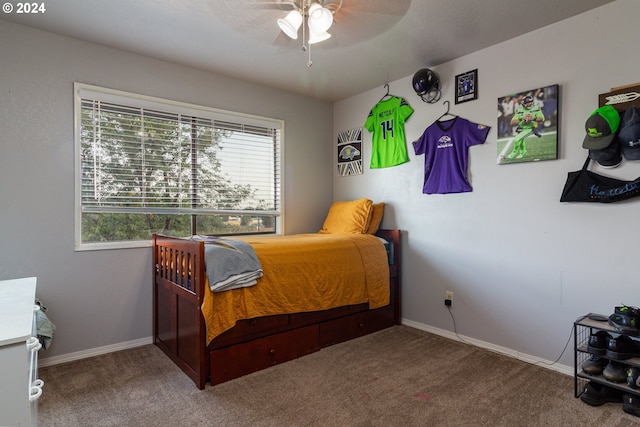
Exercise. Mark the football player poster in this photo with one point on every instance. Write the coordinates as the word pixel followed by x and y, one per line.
pixel 528 125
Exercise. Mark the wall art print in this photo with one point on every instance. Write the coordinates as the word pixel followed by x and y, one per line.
pixel 350 152
pixel 528 125
pixel 467 86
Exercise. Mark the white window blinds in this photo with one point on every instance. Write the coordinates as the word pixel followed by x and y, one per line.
pixel 147 156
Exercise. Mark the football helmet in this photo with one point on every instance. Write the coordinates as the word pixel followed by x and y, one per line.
pixel 426 84
pixel 527 101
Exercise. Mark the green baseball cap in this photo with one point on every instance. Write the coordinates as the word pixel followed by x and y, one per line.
pixel 601 127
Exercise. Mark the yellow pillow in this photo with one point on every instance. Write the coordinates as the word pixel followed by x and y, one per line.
pixel 376 218
pixel 348 217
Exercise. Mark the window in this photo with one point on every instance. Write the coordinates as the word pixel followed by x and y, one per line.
pixel 147 165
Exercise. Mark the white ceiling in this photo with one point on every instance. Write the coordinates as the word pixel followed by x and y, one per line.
pixel 373 41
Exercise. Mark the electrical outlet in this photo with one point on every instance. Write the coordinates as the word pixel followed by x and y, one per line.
pixel 448 298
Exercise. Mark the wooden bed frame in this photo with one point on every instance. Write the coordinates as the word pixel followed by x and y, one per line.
pixel 253 344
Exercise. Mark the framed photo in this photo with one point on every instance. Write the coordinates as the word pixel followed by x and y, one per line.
pixel 349 153
pixel 467 86
pixel 528 125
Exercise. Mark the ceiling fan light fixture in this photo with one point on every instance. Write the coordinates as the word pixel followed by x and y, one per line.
pixel 320 18
pixel 291 23
pixel 317 37
pixel 318 15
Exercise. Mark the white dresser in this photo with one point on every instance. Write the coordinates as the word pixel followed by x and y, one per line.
pixel 20 386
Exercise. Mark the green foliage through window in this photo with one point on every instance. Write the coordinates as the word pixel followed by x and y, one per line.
pixel 152 166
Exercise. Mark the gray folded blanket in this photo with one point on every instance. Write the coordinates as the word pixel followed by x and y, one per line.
pixel 44 326
pixel 230 264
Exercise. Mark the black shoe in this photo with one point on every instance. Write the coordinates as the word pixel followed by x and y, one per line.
pixel 631 404
pixel 598 343
pixel 595 394
pixel 625 320
pixel 621 348
pixel 615 372
pixel 595 365
pixel 632 376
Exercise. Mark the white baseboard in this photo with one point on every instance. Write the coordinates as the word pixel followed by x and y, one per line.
pixel 567 370
pixel 564 369
pixel 55 360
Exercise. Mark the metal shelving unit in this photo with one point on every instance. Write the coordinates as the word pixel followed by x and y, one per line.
pixel 583 328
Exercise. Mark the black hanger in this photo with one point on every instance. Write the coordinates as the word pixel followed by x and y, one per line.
pixel 386 95
pixel 447 113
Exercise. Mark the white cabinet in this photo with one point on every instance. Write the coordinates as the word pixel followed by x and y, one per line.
pixel 20 386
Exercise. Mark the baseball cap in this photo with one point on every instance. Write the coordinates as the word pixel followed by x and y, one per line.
pixel 629 135
pixel 601 127
pixel 608 157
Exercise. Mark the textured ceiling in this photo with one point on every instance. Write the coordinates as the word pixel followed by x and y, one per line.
pixel 373 41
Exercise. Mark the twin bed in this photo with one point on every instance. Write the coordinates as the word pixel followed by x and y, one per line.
pixel 315 290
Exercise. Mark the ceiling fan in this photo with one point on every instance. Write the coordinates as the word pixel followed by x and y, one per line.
pixel 358 19
pixel 314 16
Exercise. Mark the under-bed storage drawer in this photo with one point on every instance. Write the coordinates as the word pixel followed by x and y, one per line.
pixel 242 359
pixel 250 328
pixel 300 319
pixel 356 325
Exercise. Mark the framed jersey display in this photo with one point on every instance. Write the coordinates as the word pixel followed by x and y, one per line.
pixel 467 86
pixel 528 125
pixel 350 152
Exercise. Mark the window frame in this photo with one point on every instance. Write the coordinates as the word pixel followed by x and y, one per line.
pixel 82 90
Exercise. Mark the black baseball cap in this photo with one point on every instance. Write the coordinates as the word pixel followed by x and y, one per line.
pixel 629 135
pixel 608 157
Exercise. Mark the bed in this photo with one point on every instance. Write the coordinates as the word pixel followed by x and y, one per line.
pixel 220 336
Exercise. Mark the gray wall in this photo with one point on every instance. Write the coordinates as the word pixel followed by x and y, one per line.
pixel 103 298
pixel 522 265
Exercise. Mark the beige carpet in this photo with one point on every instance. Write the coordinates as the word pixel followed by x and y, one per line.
pixel 396 377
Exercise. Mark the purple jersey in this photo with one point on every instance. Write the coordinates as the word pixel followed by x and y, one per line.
pixel 445 146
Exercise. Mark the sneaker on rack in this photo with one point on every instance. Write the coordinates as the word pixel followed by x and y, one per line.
pixel 595 365
pixel 631 404
pixel 595 394
pixel 598 343
pixel 632 376
pixel 615 372
pixel 621 348
pixel 626 320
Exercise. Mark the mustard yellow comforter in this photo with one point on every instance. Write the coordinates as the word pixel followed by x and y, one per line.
pixel 304 272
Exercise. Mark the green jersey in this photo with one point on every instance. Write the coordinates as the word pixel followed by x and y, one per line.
pixel 535 111
pixel 386 121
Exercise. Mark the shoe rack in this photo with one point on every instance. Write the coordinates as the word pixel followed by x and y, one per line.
pixel 584 327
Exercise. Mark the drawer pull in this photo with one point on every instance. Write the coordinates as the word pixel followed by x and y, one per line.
pixel 33 343
pixel 35 393
pixel 272 351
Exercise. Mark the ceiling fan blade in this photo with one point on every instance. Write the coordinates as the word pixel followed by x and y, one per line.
pixel 355 21
pixel 273 4
pixel 385 7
